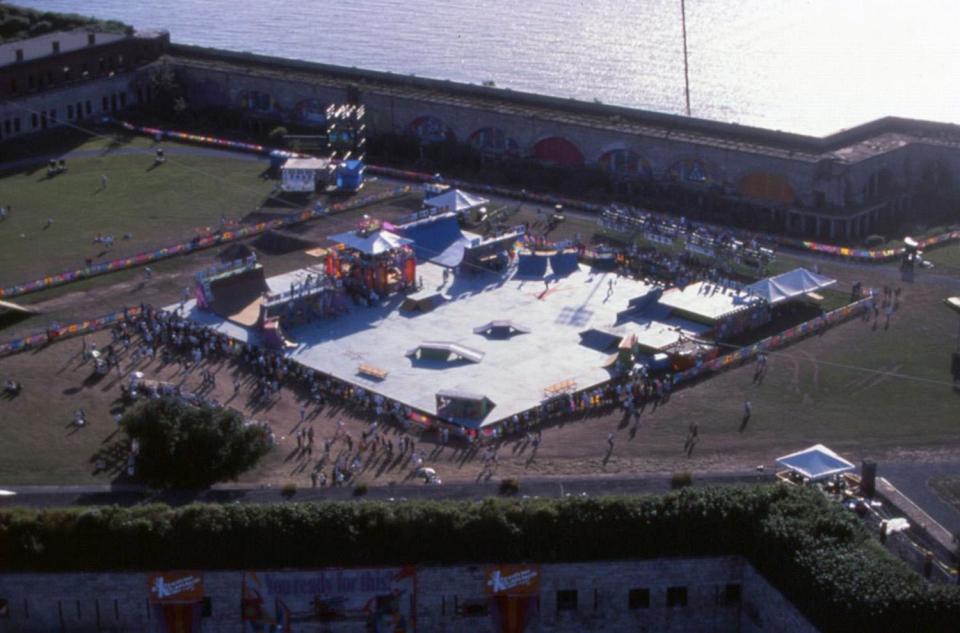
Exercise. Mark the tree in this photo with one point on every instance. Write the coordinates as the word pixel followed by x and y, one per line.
pixel 183 446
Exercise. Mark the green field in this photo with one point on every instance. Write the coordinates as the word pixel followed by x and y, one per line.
pixel 865 390
pixel 156 205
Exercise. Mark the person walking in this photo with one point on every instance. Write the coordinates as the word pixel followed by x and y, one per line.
pixel 103 181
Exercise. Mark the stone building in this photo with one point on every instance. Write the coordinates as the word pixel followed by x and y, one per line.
pixel 71 76
pixel 684 595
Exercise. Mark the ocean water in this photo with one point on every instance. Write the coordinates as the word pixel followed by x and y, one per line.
pixel 806 66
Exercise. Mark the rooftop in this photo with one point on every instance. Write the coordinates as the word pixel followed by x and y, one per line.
pixel 44 45
pixel 708 301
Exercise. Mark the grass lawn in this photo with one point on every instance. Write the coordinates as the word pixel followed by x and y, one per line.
pixel 946 258
pixel 948 489
pixel 865 390
pixel 158 206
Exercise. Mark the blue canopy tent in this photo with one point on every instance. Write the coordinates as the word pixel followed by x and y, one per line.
pixel 816 462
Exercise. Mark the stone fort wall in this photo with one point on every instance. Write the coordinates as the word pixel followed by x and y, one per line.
pixel 678 595
pixel 871 163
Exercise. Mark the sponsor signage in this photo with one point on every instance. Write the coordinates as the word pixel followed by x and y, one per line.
pixel 379 600
pixel 512 580
pixel 176 586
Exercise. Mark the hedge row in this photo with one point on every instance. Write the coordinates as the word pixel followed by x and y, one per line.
pixel 814 552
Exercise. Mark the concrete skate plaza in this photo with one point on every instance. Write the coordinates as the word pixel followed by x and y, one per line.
pixel 513 372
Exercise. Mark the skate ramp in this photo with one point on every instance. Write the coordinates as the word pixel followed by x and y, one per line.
pixel 237 297
pixel 438 240
pixel 564 263
pixel 531 266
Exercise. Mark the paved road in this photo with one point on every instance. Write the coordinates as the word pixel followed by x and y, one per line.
pixel 911 479
pixel 49 496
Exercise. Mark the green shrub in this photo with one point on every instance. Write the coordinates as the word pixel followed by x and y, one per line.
pixel 812 550
pixel 192 447
pixel 288 490
pixel 680 480
pixel 509 487
pixel 360 489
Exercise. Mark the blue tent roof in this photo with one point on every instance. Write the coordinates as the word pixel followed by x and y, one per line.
pixel 816 462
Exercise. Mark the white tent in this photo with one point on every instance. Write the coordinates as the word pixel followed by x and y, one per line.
pixel 790 285
pixel 455 200
pixel 816 462
pixel 374 243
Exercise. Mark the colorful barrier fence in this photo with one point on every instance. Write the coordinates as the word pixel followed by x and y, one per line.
pixel 863 254
pixel 57 332
pixel 197 138
pixel 197 243
pixel 789 335
pixel 871 255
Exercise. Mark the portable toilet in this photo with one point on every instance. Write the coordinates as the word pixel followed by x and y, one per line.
pixel 350 175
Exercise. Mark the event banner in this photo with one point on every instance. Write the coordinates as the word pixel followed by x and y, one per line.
pixel 514 593
pixel 175 586
pixel 332 600
pixel 176 601
pixel 511 580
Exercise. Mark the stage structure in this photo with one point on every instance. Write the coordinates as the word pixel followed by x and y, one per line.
pixel 372 260
pixel 346 132
pixel 437 238
pixel 238 292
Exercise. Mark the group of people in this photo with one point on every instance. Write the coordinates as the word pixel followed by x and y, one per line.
pixel 178 339
pixel 887 300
